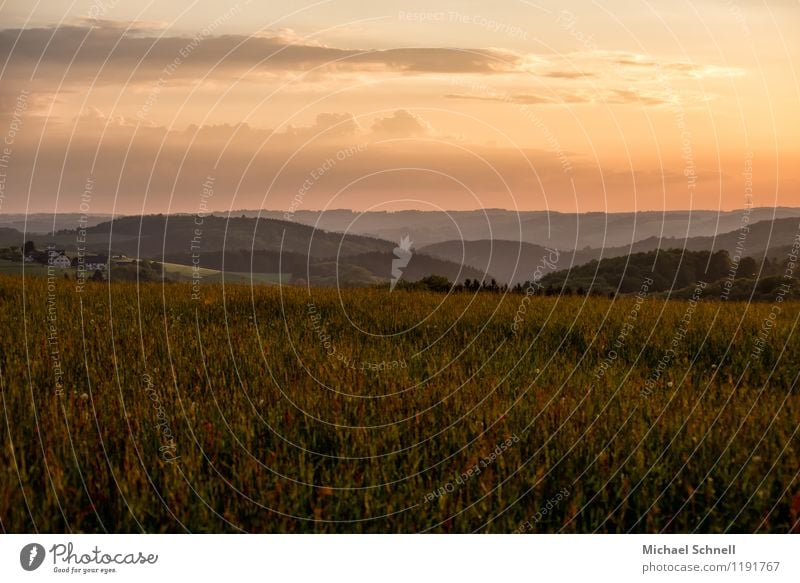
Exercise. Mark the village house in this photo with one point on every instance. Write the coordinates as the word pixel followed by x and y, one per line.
pixel 61 261
pixel 96 263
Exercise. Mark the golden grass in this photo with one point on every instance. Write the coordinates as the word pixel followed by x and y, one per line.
pixel 267 432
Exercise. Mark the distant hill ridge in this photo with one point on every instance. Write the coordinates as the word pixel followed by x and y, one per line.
pixel 546 228
pixel 262 242
pixel 513 262
pixel 243 244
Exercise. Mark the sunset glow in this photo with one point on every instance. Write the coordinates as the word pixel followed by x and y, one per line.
pixel 562 106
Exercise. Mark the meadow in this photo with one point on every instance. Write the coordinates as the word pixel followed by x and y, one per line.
pixel 151 408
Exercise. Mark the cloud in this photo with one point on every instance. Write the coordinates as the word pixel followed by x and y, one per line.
pixel 562 96
pixel 327 126
pixel 566 75
pixel 135 57
pixel 128 26
pixel 401 123
pixel 674 68
pixel 94 116
pixel 161 170
pixel 112 52
pixel 529 99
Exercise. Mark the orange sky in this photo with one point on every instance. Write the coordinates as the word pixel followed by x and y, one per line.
pixel 454 105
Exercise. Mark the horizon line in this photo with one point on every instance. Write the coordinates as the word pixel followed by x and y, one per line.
pixel 486 209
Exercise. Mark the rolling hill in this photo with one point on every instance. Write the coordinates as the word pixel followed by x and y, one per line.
pixel 153 236
pixel 513 262
pixel 553 229
pixel 507 261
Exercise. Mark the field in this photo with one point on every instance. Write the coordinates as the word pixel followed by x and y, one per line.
pixel 177 271
pixel 282 409
pixel 31 269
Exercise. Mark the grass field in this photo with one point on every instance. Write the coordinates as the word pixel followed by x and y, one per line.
pixel 279 409
pixel 174 271
pixel 178 271
pixel 31 269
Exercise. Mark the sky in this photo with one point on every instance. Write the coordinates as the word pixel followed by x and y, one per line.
pixel 129 107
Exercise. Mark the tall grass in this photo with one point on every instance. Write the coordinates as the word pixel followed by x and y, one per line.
pixel 275 409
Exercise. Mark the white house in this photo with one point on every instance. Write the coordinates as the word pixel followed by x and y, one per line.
pixel 61 261
pixel 96 262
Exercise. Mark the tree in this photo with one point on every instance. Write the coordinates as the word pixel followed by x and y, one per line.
pixel 747 267
pixel 29 248
pixel 437 283
pixel 718 265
